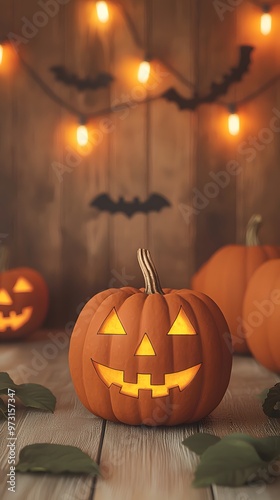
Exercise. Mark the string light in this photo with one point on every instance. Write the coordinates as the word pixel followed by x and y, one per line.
pixel 233 121
pixel 266 20
pixel 102 12
pixel 144 71
pixel 82 133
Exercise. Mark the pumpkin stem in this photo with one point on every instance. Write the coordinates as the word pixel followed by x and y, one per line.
pixel 252 231
pixel 4 257
pixel 152 283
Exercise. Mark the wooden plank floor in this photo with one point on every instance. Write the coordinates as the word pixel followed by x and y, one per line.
pixel 137 463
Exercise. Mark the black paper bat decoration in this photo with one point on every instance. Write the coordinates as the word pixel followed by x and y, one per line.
pixel 155 203
pixel 217 89
pixel 62 75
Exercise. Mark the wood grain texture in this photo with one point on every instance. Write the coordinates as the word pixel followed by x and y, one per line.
pixel 136 462
pixel 131 454
pixel 85 235
pixel 37 239
pixel 241 411
pixel 173 144
pixel 258 144
pixel 8 205
pixel 44 363
pixel 133 152
pixel 128 169
pixel 147 463
pixel 214 201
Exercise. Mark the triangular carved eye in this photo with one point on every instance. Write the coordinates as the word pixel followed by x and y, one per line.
pixel 23 285
pixel 112 325
pixel 182 325
pixel 5 299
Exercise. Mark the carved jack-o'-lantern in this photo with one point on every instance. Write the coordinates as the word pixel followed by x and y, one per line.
pixel 23 302
pixel 152 356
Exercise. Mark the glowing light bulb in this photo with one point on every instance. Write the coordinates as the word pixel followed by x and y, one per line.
pixel 144 72
pixel 1 54
pixel 266 23
pixel 102 11
pixel 82 135
pixel 233 124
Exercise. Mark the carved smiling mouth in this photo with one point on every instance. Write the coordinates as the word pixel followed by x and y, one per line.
pixel 14 320
pixel 116 377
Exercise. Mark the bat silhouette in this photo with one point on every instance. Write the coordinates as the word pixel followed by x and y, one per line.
pixel 217 89
pixel 62 75
pixel 155 203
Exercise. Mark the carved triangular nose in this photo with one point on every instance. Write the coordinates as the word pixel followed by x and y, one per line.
pixel 145 347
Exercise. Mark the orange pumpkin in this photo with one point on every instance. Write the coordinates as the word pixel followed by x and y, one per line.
pixel 261 314
pixel 23 302
pixel 226 275
pixel 153 356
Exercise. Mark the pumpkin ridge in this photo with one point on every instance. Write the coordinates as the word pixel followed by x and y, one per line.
pixel 126 291
pixel 276 278
pixel 83 375
pixel 171 396
pixel 107 293
pixel 209 305
pixel 111 291
pixel 263 338
pixel 189 305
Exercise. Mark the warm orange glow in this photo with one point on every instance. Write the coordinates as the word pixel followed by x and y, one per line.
pixel 8 59
pixel 233 124
pixel 182 325
pixel 145 348
pixel 5 299
pixel 180 379
pixel 102 11
pixel 266 23
pixel 112 325
pixel 22 285
pixel 144 72
pixel 14 320
pixel 82 135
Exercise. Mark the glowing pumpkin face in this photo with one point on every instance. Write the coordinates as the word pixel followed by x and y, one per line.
pixel 23 302
pixel 110 376
pixel 153 357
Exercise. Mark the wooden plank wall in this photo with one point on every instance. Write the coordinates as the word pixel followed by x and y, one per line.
pixel 46 218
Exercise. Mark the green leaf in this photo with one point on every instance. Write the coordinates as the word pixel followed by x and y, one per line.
pixel 233 460
pixel 200 442
pixel 55 459
pixel 36 396
pixel 31 395
pixel 267 448
pixel 3 409
pixel 227 464
pixel 6 382
pixel 262 396
pixel 271 405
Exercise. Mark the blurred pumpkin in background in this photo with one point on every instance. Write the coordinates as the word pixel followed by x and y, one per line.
pixel 24 300
pixel 224 277
pixel 261 314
